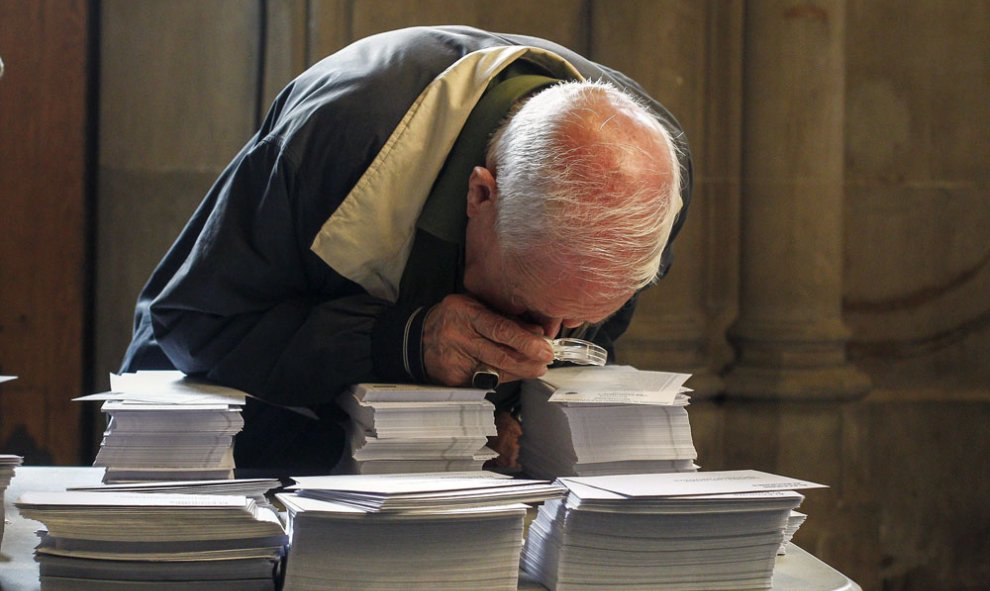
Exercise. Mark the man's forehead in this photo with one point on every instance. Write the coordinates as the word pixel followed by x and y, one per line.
pixel 551 286
pixel 572 302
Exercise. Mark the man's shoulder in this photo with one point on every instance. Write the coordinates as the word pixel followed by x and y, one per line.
pixel 376 78
pixel 422 48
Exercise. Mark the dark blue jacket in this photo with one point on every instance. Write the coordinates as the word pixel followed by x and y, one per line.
pixel 242 299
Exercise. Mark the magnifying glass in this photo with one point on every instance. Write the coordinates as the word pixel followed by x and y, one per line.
pixel 577 351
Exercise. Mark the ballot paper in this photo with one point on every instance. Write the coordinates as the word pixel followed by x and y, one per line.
pixel 400 428
pixel 166 387
pixel 586 439
pixel 253 488
pixel 164 425
pixel 398 419
pixel 415 392
pixel 693 483
pixel 614 385
pixel 130 540
pixel 409 493
pixel 662 532
pixel 367 447
pixel 136 517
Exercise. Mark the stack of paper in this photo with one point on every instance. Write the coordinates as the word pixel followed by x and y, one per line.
pixel 395 533
pixel 589 421
pixel 655 532
pixel 7 465
pixel 136 541
pixel 794 522
pixel 166 426
pixel 410 428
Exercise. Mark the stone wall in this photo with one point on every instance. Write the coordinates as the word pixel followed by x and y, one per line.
pixel 838 236
pixel 830 291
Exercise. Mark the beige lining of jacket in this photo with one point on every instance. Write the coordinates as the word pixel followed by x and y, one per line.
pixel 369 237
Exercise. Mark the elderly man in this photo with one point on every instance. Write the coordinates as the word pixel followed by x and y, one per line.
pixel 419 204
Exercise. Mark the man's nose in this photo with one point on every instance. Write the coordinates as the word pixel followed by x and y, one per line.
pixel 551 327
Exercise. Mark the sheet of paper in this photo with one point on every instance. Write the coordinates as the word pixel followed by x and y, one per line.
pixel 693 483
pixel 166 387
pixel 7 378
pixel 596 385
pixel 127 499
pixel 190 484
pixel 299 503
pixel 592 493
pixel 391 484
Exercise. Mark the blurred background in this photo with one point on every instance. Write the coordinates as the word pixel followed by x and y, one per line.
pixel 831 292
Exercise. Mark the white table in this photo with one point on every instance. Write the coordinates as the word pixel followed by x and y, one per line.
pixel 797 571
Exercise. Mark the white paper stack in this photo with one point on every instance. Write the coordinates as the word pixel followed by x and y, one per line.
pixel 654 532
pixel 411 428
pixel 794 522
pixel 590 421
pixel 166 426
pixel 7 465
pixel 398 533
pixel 138 541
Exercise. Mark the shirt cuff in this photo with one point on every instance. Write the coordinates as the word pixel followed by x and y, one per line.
pixel 397 344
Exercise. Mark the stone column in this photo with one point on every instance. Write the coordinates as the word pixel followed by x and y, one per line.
pixel 170 121
pixel 790 334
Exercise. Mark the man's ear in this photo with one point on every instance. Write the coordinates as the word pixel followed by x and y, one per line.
pixel 481 190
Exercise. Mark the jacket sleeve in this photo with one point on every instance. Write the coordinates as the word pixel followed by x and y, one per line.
pixel 253 308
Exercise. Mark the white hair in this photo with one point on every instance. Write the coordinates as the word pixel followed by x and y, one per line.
pixel 588 182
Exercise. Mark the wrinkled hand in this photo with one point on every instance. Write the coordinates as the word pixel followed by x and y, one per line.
pixel 506 443
pixel 460 333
